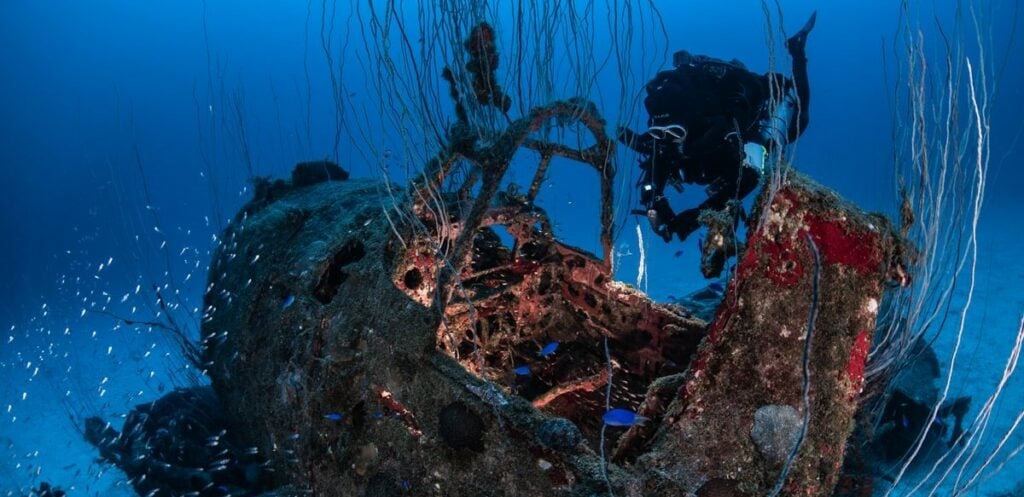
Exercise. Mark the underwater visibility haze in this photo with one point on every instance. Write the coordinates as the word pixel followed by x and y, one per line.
pixel 511 248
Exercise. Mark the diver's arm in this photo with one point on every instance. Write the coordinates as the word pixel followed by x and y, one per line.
pixel 687 221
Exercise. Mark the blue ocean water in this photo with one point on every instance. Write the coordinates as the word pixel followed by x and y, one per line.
pixel 129 130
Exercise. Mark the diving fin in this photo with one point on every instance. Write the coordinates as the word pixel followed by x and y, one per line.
pixel 796 43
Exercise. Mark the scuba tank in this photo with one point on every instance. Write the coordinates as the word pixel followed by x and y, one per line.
pixel 766 148
pixel 771 131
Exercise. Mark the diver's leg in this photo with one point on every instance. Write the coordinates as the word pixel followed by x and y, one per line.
pixel 797 46
pixel 796 43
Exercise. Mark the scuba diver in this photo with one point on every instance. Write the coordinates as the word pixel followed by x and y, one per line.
pixel 715 123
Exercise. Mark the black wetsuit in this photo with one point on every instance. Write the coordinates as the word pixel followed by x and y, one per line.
pixel 721 105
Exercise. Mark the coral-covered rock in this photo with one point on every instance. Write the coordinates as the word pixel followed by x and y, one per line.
pixel 791 331
pixel 776 430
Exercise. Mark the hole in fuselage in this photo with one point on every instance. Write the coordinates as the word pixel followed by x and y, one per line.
pixel 413 279
pixel 333 276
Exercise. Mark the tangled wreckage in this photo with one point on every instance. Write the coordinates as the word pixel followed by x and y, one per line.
pixel 365 343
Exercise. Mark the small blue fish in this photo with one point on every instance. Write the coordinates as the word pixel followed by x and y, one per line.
pixel 333 416
pixel 406 485
pixel 378 415
pixel 523 371
pixel 678 253
pixel 288 301
pixel 906 421
pixel 623 417
pixel 717 287
pixel 548 349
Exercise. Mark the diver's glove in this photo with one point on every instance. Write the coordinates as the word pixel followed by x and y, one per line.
pixel 660 215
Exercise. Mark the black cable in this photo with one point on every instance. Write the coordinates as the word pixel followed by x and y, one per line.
pixel 806 369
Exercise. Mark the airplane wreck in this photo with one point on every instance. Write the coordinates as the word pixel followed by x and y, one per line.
pixel 371 342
